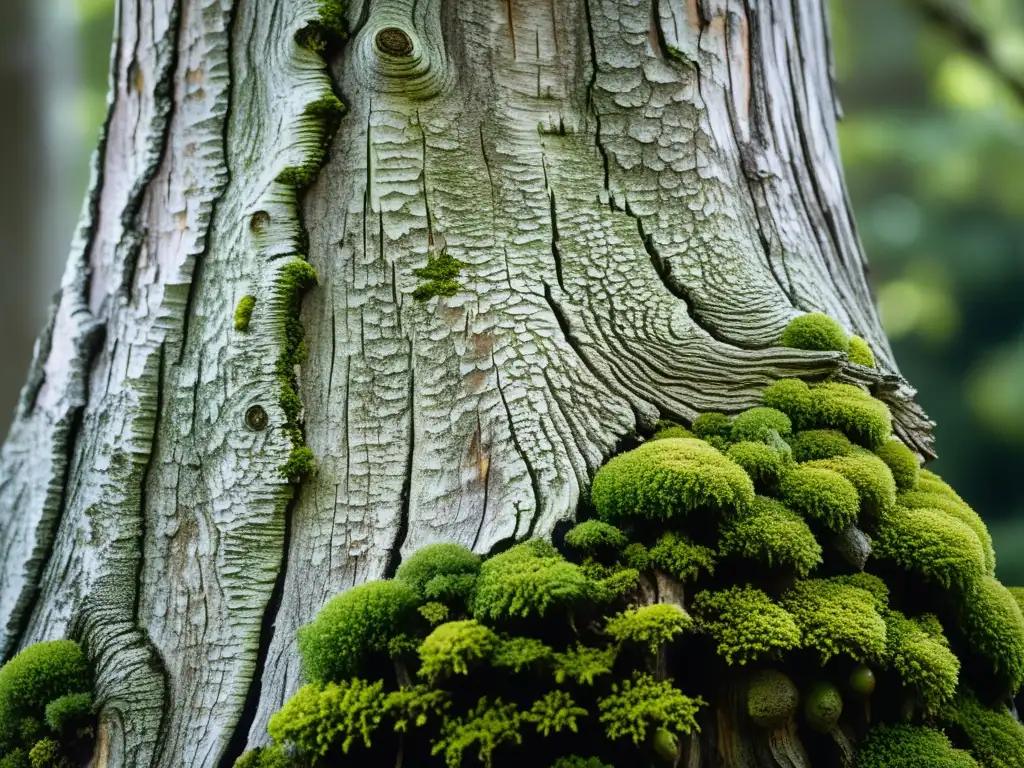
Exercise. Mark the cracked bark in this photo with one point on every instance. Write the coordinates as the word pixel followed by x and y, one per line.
pixel 644 192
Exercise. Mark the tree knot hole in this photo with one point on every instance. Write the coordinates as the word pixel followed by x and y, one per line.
pixel 256 418
pixel 394 42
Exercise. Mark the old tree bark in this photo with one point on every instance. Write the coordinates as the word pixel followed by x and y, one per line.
pixel 643 192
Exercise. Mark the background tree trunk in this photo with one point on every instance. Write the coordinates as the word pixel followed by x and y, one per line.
pixel 643 192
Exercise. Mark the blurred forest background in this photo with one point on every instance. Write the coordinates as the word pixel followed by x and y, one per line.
pixel 933 144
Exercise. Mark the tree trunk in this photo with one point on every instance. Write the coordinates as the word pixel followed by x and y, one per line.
pixel 642 193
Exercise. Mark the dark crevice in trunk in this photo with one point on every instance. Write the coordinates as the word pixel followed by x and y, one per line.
pixel 394 558
pixel 530 471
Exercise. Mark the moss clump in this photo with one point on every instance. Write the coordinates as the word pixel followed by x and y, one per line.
pixel 441 572
pixel 836 616
pixel 265 757
pixel 793 398
pixel 641 704
pixel 328 30
pixel 519 653
pixel 772 534
pixel 869 475
pixel 995 736
pixel 666 478
pixel 813 444
pixel 41 674
pixel 712 424
pixel 680 557
pixel 528 579
pixel 650 625
pixel 772 698
pixel 815 331
pixel 554 712
pixel 991 622
pixel 861 353
pixel 583 664
pixel 930 543
pixel 243 312
pixel 910 746
pixel 294 279
pixel 453 647
pixel 356 627
pixel 958 509
pixel 762 462
pixel 823 706
pixel 671 430
pixel 918 651
pixel 822 495
pixel 901 462
pixel 439 277
pixel 596 538
pixel 853 411
pixel 321 720
pixel 70 712
pixel 758 424
pixel 485 728
pixel 746 624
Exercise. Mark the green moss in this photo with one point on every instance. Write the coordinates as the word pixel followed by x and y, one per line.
pixel 596 538
pixel 821 494
pixel 815 331
pixel 758 424
pixel 485 728
pixel 930 482
pixel 995 736
pixel 528 579
pixel 666 478
pixel 356 627
pixel 611 586
pixel 679 557
pixel 641 704
pixel 823 706
pixel 930 543
pixel 265 757
pixel 901 462
pixel 441 572
pixel 712 424
pixel 772 534
pixel 762 462
pixel 650 625
pixel 772 698
pixel 1018 594
pixel 910 746
pixel 554 712
pixel 453 647
pixel 869 475
pixel 519 653
pixel 321 721
pixel 243 312
pixel 991 622
pixel 746 624
pixel 956 508
pixel 837 617
pixel 69 712
pixel 579 762
pixel 414 706
pixel 16 758
pixel 439 277
pixel 793 398
pixel 293 280
pixel 47 754
pixel 300 465
pixel 918 651
pixel 861 353
pixel 851 410
pixel 434 613
pixel 674 430
pixel 813 444
pixel 583 664
pixel 35 677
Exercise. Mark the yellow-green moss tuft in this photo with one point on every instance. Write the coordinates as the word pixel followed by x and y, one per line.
pixel 901 461
pixel 835 616
pixel 851 410
pixel 793 398
pixel 243 312
pixel 671 430
pixel 918 651
pixel 815 331
pixel 649 625
pixel 712 424
pixel 668 478
pixel 822 495
pixel 772 534
pixel 596 539
pixel 678 556
pixel 930 543
pixel 758 424
pixel 644 704
pixel 746 624
pixel 910 746
pixel 764 463
pixel 861 353
pixel 444 572
pixel 869 475
pixel 453 647
pixel 958 509
pixel 439 277
pixel 772 698
pixel 823 706
pixel 814 444
pixel 995 736
pixel 993 626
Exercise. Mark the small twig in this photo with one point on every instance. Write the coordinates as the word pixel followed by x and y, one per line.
pixel 972 37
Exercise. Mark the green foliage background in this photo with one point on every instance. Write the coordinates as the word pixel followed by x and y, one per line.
pixel 933 146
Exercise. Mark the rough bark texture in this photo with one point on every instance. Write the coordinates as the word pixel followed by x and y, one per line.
pixel 643 193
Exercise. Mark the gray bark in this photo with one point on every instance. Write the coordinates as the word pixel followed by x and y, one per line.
pixel 644 192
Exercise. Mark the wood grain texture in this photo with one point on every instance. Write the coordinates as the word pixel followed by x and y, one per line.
pixel 643 193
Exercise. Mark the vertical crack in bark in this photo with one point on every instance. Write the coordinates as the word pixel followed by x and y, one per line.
pixel 394 558
pixel 525 457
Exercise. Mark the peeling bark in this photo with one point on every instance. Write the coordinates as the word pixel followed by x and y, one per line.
pixel 643 193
